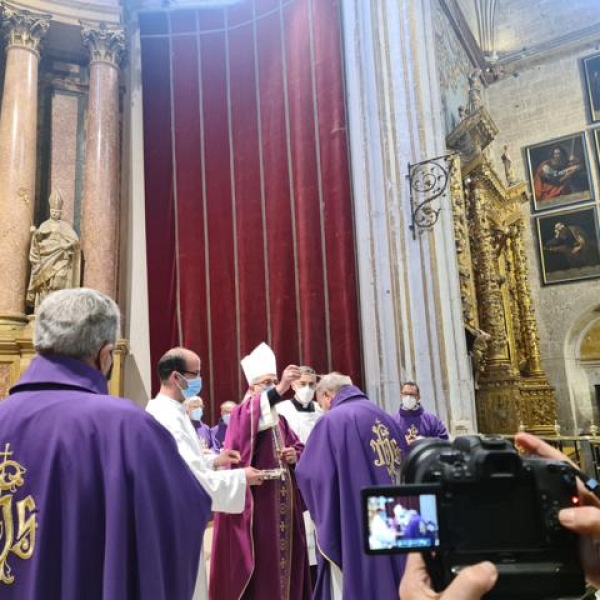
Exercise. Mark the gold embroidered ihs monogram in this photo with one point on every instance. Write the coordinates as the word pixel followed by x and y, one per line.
pixel 386 449
pixel 17 527
pixel 412 434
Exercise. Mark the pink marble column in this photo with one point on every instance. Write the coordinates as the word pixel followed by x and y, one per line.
pixel 18 145
pixel 100 209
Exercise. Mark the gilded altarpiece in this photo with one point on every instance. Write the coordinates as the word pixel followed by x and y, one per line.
pixel 512 390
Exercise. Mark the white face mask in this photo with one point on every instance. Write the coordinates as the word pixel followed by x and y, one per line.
pixel 408 402
pixel 305 395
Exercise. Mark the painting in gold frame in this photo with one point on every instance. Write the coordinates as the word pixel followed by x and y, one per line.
pixel 569 245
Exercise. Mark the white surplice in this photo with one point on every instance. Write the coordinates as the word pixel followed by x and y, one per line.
pixel 302 423
pixel 226 488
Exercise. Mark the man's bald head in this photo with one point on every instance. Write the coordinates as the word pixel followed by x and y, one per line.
pixel 227 407
pixel 180 360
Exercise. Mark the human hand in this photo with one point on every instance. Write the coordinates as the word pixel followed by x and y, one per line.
pixel 290 373
pixel 470 584
pixel 253 476
pixel 289 455
pixel 226 458
pixel 583 520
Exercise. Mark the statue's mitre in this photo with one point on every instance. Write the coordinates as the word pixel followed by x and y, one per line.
pixel 55 201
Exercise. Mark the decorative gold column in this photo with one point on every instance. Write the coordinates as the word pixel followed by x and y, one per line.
pixel 538 404
pixel 498 401
pixel 490 297
pixel 463 246
pixel 18 144
pixel 100 210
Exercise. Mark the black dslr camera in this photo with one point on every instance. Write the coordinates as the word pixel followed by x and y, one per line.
pixel 476 499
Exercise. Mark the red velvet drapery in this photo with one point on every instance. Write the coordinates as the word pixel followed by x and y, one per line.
pixel 248 207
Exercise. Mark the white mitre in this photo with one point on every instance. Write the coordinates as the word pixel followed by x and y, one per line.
pixel 261 361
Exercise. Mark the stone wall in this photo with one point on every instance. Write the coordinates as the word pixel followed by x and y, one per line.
pixel 543 100
pixel 521 24
pixel 453 66
pixel 537 104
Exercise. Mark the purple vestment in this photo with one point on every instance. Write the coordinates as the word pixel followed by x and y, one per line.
pixel 118 514
pixel 218 435
pixel 419 423
pixel 204 434
pixel 355 444
pixel 262 552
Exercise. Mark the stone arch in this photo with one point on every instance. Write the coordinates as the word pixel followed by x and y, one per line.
pixel 582 368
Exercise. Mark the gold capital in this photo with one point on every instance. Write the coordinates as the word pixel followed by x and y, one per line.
pixel 23 28
pixel 105 43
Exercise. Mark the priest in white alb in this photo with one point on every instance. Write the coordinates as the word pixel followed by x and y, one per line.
pixel 179 372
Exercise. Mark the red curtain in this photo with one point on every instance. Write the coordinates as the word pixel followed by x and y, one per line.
pixel 248 204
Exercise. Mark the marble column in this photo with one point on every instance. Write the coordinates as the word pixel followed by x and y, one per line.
pixel 100 208
pixel 18 144
pixel 410 301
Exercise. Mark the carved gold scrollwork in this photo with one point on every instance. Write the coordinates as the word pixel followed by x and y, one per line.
pixel 511 387
pixel 463 246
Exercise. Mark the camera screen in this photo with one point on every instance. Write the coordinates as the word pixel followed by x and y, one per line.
pixel 400 519
pixel 498 516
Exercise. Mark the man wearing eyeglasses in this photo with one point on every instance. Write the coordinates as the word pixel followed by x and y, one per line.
pixel 179 372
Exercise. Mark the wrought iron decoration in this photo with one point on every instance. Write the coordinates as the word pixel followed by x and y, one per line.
pixel 428 181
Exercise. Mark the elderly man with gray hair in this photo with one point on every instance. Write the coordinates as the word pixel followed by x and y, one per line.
pixel 353 445
pixel 97 502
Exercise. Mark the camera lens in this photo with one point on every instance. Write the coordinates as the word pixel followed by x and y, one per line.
pixel 421 455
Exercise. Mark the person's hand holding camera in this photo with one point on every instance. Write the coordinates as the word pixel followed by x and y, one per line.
pixel 470 584
pixel 583 520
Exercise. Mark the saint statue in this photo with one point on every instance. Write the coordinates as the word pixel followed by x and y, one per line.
pixel 54 254
pixel 509 171
pixel 474 91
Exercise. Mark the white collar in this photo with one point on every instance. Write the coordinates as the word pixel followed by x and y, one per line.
pixel 168 401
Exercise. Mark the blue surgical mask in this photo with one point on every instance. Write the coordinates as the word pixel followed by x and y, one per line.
pixel 193 387
pixel 226 419
pixel 196 414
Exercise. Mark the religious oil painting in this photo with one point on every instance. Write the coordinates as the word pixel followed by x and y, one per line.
pixel 559 172
pixel 569 245
pixel 591 68
pixel 597 145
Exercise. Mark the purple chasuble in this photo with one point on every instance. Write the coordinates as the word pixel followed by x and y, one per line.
pixel 261 553
pixel 419 423
pixel 218 435
pixel 204 434
pixel 353 445
pixel 109 510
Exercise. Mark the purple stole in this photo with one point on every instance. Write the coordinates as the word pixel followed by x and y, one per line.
pixel 268 538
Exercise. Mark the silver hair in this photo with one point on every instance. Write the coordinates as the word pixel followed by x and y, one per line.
pixel 76 322
pixel 332 382
pixel 191 399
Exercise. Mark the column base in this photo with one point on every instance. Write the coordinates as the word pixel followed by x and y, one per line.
pixel 538 405
pixel 498 404
pixel 16 348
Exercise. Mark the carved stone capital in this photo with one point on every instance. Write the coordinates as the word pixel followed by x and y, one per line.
pixel 105 44
pixel 23 28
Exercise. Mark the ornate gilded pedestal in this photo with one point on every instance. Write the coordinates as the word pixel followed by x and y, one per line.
pixel 17 351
